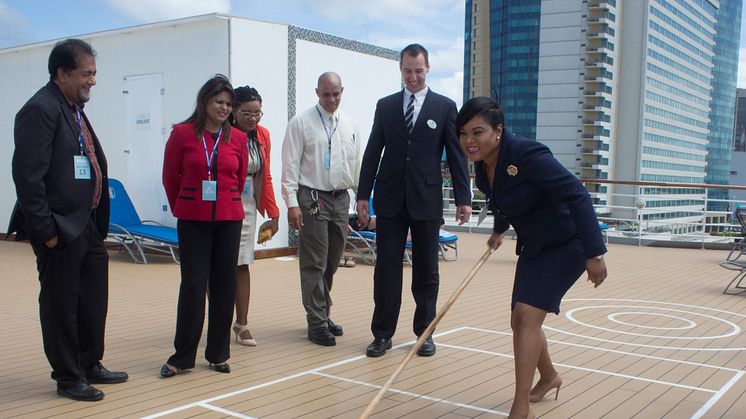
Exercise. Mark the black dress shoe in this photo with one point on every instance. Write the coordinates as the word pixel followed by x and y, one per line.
pixel 427 348
pixel 221 367
pixel 168 371
pixel 82 391
pixel 97 374
pixel 321 336
pixel 378 347
pixel 334 328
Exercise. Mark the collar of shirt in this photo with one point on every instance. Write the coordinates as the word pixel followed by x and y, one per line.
pixel 327 114
pixel 419 97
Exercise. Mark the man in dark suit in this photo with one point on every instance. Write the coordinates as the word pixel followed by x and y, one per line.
pixel 413 126
pixel 59 171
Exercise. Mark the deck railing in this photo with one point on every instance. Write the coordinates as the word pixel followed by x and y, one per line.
pixel 632 213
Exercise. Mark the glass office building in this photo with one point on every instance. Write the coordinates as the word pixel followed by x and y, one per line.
pixel 719 147
pixel 510 37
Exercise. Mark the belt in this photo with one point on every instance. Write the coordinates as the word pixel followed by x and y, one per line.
pixel 334 193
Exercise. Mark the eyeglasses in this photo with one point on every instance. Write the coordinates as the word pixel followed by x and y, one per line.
pixel 250 115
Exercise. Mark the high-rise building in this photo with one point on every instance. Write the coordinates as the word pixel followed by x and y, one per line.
pixel 625 89
pixel 739 133
pixel 724 78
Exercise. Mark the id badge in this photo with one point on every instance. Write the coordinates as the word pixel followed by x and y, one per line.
pixel 482 215
pixel 327 160
pixel 82 167
pixel 209 190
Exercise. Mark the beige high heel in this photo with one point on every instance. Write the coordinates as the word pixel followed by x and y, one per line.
pixel 240 328
pixel 556 383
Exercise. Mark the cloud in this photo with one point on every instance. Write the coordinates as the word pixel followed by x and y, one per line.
pixel 452 86
pixel 742 68
pixel 150 11
pixel 13 28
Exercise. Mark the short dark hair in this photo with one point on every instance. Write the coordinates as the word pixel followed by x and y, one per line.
pixel 65 55
pixel 246 94
pixel 480 106
pixel 213 87
pixel 413 50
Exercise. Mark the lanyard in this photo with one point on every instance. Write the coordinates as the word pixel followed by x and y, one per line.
pixel 326 130
pixel 209 158
pixel 80 136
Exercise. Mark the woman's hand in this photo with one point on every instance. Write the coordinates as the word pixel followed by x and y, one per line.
pixel 495 241
pixel 596 268
pixel 274 224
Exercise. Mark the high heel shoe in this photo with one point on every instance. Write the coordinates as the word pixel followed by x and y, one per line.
pixel 168 371
pixel 240 328
pixel 221 367
pixel 556 383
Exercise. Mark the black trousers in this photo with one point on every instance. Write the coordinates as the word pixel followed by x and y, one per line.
pixel 391 237
pixel 73 301
pixel 208 253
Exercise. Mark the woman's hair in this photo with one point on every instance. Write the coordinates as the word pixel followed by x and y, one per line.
pixel 480 106
pixel 244 94
pixel 213 87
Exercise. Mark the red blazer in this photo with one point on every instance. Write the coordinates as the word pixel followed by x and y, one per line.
pixel 266 205
pixel 185 167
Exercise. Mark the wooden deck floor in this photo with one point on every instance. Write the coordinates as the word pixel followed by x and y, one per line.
pixel 658 339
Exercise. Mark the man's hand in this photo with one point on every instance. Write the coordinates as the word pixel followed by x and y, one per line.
pixel 363 217
pixel 463 213
pixel 295 218
pixel 52 243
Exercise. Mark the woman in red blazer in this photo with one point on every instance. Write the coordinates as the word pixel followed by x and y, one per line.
pixel 204 170
pixel 258 190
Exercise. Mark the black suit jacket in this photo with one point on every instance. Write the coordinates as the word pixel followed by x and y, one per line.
pixel 409 171
pixel 544 202
pixel 51 202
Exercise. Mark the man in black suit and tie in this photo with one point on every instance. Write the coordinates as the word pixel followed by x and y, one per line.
pixel 59 171
pixel 413 126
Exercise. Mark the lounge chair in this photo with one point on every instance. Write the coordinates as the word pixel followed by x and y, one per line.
pixel 135 235
pixel 736 259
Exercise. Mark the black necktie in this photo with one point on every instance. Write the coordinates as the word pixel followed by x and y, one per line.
pixel 409 114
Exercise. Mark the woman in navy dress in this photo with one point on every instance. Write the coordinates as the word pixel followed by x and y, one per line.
pixel 558 235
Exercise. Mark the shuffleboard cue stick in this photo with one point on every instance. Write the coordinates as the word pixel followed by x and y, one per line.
pixel 373 403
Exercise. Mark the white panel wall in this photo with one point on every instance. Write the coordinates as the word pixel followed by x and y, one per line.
pixel 365 79
pixel 186 53
pixel 264 66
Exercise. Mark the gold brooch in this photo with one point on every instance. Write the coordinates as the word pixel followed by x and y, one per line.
pixel 512 170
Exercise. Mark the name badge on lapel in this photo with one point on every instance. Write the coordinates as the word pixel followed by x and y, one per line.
pixel 82 167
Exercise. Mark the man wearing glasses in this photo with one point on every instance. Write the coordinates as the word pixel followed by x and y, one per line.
pixel 321 158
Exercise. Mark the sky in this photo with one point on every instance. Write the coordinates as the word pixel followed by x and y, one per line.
pixel 436 24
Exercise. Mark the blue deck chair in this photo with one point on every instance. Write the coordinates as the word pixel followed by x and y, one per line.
pixel 362 244
pixel 736 259
pixel 447 242
pixel 135 235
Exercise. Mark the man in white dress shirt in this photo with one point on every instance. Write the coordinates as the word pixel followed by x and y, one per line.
pixel 321 157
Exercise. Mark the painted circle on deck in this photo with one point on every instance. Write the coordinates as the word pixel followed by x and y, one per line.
pixel 656 308
pixel 734 329
pixel 613 317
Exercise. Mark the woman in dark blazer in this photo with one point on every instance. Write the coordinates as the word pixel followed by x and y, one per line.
pixel 204 170
pixel 558 235
pixel 258 196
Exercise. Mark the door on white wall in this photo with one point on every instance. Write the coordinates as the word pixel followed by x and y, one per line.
pixel 144 144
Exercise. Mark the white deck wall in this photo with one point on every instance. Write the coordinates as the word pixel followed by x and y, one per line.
pixel 185 53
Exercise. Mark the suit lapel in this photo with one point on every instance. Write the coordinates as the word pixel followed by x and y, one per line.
pixel 64 106
pixel 398 106
pixel 503 161
pixel 427 106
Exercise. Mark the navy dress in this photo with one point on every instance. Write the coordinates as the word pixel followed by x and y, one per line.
pixel 552 214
